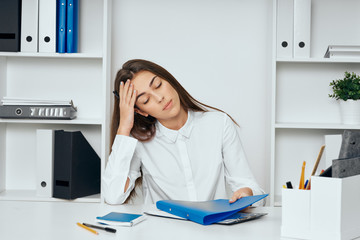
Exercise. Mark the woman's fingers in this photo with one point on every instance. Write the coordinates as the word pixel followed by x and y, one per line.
pixel 126 91
pixel 242 192
pixel 133 98
pixel 126 106
pixel 235 196
pixel 130 93
pixel 121 91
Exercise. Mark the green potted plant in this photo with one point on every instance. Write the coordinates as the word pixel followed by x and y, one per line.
pixel 347 92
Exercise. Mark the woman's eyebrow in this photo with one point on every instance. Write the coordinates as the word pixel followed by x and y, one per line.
pixel 151 82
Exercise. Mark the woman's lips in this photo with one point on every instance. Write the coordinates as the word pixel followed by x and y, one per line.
pixel 168 105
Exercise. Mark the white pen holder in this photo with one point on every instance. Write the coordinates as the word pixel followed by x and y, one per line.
pixel 295 213
pixel 330 210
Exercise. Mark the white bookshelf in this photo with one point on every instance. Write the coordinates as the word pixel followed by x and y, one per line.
pixel 52 55
pixel 30 195
pixel 302 112
pixel 317 60
pixel 79 121
pixel 83 77
pixel 315 126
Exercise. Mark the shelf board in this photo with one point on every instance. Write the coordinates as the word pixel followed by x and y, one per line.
pixel 30 195
pixel 52 55
pixel 315 126
pixel 80 121
pixel 318 60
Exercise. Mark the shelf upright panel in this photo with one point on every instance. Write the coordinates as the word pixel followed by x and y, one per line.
pixel 273 106
pixel 106 80
pixel 3 87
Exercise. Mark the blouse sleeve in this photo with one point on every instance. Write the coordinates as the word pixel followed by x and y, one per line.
pixel 123 163
pixel 237 170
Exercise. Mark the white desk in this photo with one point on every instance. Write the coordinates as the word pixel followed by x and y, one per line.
pixel 57 220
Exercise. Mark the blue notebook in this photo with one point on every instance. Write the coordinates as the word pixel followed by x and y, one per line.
pixel 61 26
pixel 207 212
pixel 120 219
pixel 72 26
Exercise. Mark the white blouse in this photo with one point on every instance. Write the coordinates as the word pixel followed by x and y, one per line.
pixel 193 163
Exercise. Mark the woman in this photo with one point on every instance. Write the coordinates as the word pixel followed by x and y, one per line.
pixel 171 142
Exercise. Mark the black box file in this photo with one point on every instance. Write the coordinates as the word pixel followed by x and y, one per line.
pixel 76 166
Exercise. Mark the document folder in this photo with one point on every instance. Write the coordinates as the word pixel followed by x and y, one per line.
pixel 207 212
pixel 38 111
pixel 347 167
pixel 10 21
pixel 72 26
pixel 44 162
pixel 29 26
pixel 302 28
pixel 285 28
pixel 61 26
pixel 47 26
pixel 350 144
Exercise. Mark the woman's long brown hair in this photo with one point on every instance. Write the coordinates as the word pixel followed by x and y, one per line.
pixel 144 127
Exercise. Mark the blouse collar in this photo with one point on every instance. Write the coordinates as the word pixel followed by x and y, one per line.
pixel 173 134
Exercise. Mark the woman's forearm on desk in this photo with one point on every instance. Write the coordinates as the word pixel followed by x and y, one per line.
pixel 122 169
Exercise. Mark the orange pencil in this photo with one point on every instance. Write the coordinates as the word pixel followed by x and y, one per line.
pixel 87 228
pixel 302 177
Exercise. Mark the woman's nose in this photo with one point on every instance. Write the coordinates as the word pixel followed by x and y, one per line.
pixel 159 97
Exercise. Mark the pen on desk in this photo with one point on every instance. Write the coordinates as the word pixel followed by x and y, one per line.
pixel 99 227
pixel 302 177
pixel 87 228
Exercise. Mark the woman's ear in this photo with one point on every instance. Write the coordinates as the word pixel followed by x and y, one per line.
pixel 141 112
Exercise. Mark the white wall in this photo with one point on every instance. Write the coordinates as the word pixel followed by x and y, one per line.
pixel 220 51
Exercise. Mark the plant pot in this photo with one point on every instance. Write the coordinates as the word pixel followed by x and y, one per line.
pixel 350 111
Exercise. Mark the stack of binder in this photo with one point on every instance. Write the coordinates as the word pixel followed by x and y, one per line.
pixel 37 109
pixel 293 28
pixel 342 51
pixel 39 26
pixel 67 26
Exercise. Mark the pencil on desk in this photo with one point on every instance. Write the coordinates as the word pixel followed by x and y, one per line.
pixel 316 165
pixel 87 228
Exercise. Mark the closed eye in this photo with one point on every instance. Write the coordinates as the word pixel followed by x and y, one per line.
pixel 147 100
pixel 159 85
